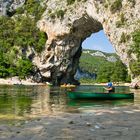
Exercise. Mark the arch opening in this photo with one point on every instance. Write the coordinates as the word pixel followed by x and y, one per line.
pixel 66 49
pixel 99 61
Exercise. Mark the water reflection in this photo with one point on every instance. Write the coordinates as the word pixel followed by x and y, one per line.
pixel 100 103
pixel 48 100
pixel 24 101
pixel 137 96
pixel 41 102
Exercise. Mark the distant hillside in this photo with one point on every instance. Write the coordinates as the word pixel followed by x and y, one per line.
pixel 92 60
pixel 112 57
pixel 104 65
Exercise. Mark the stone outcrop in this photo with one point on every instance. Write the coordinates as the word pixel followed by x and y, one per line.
pixel 59 61
pixel 68 25
pixel 10 5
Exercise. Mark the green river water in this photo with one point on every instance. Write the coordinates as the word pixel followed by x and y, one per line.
pixel 20 102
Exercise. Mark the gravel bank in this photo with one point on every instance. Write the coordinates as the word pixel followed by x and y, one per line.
pixel 118 123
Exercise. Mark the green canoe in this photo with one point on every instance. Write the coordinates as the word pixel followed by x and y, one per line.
pixel 90 95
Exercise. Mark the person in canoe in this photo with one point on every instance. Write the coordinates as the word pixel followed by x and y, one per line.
pixel 110 88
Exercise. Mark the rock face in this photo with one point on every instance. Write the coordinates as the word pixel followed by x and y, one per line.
pixel 66 29
pixel 68 25
pixel 10 5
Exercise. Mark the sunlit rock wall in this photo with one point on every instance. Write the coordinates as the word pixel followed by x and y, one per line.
pixel 67 23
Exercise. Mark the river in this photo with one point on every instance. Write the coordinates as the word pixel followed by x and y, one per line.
pixel 21 102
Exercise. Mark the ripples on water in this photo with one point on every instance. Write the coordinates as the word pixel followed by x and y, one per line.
pixel 18 102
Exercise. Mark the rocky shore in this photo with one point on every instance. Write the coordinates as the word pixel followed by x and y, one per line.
pixel 117 123
pixel 98 123
pixel 18 81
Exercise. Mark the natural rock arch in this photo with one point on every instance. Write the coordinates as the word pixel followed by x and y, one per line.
pixel 67 27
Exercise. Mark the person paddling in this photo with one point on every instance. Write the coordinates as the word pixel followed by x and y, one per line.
pixel 110 88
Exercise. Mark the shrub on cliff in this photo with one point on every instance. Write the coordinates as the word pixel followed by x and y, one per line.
pixel 135 68
pixel 69 2
pixel 115 6
pixel 135 48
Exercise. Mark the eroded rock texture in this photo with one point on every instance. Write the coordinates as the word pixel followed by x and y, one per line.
pixel 67 25
pixel 59 61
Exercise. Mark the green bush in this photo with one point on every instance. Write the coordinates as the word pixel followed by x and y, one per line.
pixel 87 81
pixel 16 35
pixel 106 5
pixel 135 67
pixel 60 13
pixel 115 6
pixel 69 2
pixel 24 68
pixel 124 38
pixel 52 15
pixel 133 2
pixel 135 47
pixel 121 21
pixel 116 71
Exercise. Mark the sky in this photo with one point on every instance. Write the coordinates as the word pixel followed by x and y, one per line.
pixel 98 41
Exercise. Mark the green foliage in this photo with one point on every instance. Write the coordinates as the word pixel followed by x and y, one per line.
pixel 116 71
pixel 17 34
pixel 135 48
pixel 24 68
pixel 6 33
pixel 60 13
pixel 106 5
pixel 121 21
pixel 87 80
pixel 40 41
pixel 135 67
pixel 128 78
pixel 33 8
pixel 104 73
pixel 119 72
pixel 97 7
pixel 133 2
pixel 116 6
pixel 124 38
pixel 69 2
pixel 4 65
pixel 52 15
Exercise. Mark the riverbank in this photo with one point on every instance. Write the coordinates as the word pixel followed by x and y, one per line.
pixel 117 123
pixel 17 81
pixel 104 84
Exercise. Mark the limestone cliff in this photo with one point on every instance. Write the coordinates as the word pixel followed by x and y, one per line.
pixel 68 24
pixel 10 5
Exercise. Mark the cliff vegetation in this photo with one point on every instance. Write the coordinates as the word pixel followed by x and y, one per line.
pixel 103 67
pixel 19 34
